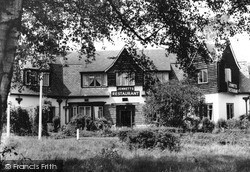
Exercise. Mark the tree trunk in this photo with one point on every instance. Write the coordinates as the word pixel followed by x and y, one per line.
pixel 10 22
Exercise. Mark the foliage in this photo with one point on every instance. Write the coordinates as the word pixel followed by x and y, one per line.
pixel 83 122
pixel 150 139
pixel 20 121
pixel 233 124
pixel 191 124
pixel 169 103
pixel 102 124
pixel 207 126
pixel 56 123
pixel 221 124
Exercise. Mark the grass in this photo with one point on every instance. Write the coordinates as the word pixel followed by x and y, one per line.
pixel 109 154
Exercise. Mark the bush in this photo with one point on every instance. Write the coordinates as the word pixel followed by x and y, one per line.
pixel 56 123
pixel 169 103
pixel 150 139
pixel 191 124
pixel 207 126
pixel 20 122
pixel 233 124
pixel 221 124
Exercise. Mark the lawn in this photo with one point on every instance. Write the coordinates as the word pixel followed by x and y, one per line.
pixel 197 153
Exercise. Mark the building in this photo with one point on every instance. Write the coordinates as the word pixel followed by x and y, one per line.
pixel 225 83
pixel 111 86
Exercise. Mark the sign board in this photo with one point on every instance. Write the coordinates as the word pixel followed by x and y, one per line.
pixel 232 88
pixel 125 91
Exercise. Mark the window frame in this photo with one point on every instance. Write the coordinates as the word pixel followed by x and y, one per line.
pixel 84 110
pixel 230 110
pixel 129 78
pixel 36 73
pixel 95 80
pixel 201 77
pixel 98 116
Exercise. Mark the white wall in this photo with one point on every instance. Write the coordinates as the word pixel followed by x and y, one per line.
pixel 31 102
pixel 220 100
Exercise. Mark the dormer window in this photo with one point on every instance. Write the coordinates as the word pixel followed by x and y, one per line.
pixel 94 80
pixel 203 76
pixel 31 77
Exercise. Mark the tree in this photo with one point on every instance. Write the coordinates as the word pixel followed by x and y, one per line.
pixel 46 27
pixel 168 103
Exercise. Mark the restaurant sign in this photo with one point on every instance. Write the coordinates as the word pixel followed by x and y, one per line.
pixel 232 88
pixel 125 91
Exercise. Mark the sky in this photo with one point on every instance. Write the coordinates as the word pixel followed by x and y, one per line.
pixel 241 47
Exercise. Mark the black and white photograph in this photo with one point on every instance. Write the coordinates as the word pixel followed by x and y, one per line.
pixel 125 85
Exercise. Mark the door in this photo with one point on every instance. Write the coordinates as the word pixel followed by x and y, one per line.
pixel 125 115
pixel 126 118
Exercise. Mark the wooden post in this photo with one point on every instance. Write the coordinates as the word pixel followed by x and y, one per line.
pixel 40 108
pixel 77 134
pixel 8 120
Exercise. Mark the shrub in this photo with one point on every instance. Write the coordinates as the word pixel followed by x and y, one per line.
pixel 36 123
pixel 56 123
pixel 191 124
pixel 207 126
pixel 244 124
pixel 233 124
pixel 20 122
pixel 168 103
pixel 221 124
pixel 150 139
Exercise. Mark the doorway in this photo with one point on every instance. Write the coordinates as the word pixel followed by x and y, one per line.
pixel 125 115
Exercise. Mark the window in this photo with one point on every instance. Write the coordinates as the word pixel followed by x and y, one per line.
pixel 209 112
pixel 162 76
pixel 202 76
pixel 31 77
pixel 228 75
pixel 46 79
pixel 125 79
pixel 84 110
pixel 230 110
pixel 93 80
pixel 98 112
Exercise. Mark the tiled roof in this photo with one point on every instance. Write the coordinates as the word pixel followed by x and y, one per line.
pixel 177 72
pixel 104 59
pixel 66 79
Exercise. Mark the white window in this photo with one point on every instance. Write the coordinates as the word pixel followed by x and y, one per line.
pixel 210 111
pixel 98 112
pixel 125 79
pixel 31 77
pixel 84 110
pixel 93 80
pixel 228 75
pixel 162 76
pixel 74 111
pixel 46 79
pixel 202 76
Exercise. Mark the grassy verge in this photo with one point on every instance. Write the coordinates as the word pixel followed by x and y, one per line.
pixel 109 154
